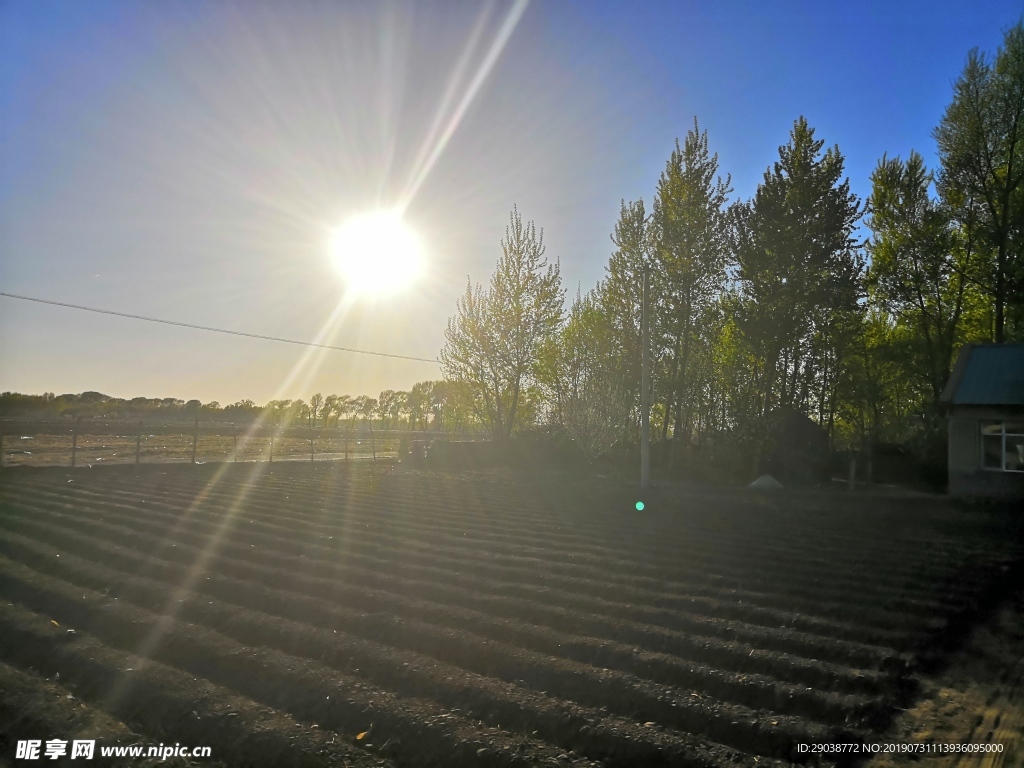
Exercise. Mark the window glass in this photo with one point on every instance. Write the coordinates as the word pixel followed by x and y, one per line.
pixel 1015 453
pixel 1015 428
pixel 991 427
pixel 992 451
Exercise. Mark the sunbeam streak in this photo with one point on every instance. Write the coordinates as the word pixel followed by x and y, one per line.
pixel 300 373
pixel 455 80
pixel 508 26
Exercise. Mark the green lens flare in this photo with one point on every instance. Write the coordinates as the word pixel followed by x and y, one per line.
pixel 639 506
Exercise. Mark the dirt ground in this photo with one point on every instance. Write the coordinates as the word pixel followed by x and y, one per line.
pixel 978 698
pixel 353 613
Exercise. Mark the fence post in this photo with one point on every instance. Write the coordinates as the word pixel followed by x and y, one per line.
pixel 138 443
pixel 195 438
pixel 373 444
pixel 271 445
pixel 309 421
pixel 1 448
pixel 74 440
pixel 853 473
pixel 346 443
pixel 234 443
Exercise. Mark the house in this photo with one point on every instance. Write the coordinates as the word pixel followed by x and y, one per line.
pixel 985 402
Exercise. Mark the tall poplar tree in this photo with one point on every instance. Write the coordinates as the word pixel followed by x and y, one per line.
pixel 619 299
pixel 919 266
pixel 690 243
pixel 799 275
pixel 492 343
pixel 981 148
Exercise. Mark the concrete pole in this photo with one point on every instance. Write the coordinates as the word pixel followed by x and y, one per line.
pixel 645 388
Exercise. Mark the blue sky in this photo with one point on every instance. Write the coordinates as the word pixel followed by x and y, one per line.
pixel 186 160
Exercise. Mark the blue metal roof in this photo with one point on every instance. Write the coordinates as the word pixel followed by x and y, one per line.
pixel 987 374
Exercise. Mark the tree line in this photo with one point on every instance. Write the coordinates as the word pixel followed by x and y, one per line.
pixel 769 306
pixel 428 405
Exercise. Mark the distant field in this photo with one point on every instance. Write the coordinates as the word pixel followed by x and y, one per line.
pixel 49 444
pixel 356 614
pixel 55 450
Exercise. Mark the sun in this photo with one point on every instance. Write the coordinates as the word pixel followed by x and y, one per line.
pixel 376 254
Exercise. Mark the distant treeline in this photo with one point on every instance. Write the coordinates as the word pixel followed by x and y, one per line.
pixel 436 405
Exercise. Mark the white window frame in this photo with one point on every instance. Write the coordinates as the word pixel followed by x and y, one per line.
pixel 1003 434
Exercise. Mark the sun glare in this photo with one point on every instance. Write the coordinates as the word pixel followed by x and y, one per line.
pixel 376 254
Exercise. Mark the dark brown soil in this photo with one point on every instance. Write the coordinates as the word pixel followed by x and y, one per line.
pixel 360 615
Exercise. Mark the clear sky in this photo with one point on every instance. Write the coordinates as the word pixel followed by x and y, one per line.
pixel 188 160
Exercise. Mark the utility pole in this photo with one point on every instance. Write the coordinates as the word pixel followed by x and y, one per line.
pixel 645 388
pixel 74 440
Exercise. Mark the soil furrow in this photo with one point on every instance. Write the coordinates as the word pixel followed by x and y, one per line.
pixel 744 658
pixel 607 556
pixel 645 702
pixel 312 692
pixel 319 559
pixel 166 702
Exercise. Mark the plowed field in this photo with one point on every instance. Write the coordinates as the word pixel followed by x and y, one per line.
pixel 334 614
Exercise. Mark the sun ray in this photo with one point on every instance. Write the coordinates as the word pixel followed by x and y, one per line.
pixel 508 26
pixel 451 90
pixel 306 366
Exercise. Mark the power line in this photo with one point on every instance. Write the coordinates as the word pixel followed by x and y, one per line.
pixel 215 330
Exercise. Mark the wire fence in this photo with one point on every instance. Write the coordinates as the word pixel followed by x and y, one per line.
pixel 89 442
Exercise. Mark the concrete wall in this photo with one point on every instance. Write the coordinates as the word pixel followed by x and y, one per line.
pixel 966 477
pixel 987 484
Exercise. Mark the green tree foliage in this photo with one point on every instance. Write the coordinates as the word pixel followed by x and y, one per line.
pixel 330 411
pixel 920 266
pixel 316 405
pixel 575 368
pixel 618 299
pixel 418 403
pixel 981 149
pixel 389 404
pixel 592 369
pixel 689 248
pixel 365 406
pixel 454 406
pixel 877 398
pixel 799 276
pixel 492 342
